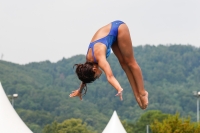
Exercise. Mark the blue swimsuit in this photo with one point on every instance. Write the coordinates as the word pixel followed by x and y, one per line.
pixel 107 40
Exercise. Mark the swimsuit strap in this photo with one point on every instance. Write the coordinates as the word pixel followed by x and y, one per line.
pixel 93 53
pixel 92 47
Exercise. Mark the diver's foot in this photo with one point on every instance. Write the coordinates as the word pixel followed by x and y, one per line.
pixel 139 102
pixel 144 100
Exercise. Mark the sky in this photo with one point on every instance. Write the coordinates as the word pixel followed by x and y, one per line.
pixel 40 30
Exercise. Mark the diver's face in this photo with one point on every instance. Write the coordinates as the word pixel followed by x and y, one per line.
pixel 97 71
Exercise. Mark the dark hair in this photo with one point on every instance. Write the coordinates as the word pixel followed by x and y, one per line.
pixel 85 73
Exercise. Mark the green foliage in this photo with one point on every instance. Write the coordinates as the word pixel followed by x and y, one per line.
pixel 68 126
pixel 129 126
pixel 174 124
pixel 146 119
pixel 40 118
pixel 170 73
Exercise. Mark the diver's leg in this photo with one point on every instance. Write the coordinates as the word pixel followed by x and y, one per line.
pixel 124 66
pixel 126 49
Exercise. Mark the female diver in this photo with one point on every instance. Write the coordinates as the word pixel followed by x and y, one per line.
pixel 113 36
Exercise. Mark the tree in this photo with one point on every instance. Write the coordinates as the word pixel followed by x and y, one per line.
pixel 68 126
pixel 174 124
pixel 170 75
pixel 146 119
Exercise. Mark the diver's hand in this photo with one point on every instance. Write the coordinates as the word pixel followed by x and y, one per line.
pixel 120 94
pixel 76 93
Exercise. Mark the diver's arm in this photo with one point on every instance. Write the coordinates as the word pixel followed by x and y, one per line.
pixel 104 65
pixel 82 85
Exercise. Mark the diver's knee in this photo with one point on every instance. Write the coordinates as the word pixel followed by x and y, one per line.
pixel 123 65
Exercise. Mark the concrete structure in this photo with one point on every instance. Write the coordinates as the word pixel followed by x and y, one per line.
pixel 10 122
pixel 114 125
